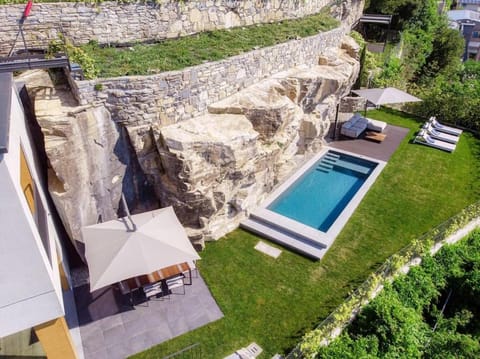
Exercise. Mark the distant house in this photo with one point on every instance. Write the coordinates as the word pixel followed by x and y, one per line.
pixel 468 22
pixel 469 4
pixel 35 284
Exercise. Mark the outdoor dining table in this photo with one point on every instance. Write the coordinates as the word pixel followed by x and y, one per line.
pixel 138 282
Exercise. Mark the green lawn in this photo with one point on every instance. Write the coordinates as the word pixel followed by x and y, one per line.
pixel 273 302
pixel 207 46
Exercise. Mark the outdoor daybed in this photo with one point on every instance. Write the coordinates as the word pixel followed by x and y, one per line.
pixel 357 124
pixel 354 126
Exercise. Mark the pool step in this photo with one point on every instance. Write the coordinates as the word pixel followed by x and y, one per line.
pixel 324 166
pixel 279 235
pixel 329 160
pixel 354 167
pixel 332 155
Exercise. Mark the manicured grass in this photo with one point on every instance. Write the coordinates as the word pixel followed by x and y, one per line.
pixel 208 46
pixel 273 302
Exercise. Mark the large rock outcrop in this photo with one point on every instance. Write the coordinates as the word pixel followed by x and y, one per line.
pixel 213 169
pixel 86 168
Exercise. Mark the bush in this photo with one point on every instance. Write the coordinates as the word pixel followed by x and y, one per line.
pixel 432 312
pixel 75 54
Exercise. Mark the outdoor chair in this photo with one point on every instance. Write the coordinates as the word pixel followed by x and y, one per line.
pixel 442 128
pixel 437 135
pixel 126 291
pixel 424 139
pixel 152 290
pixel 250 352
pixel 175 282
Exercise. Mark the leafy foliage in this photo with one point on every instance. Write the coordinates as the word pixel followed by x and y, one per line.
pixel 75 54
pixel 454 97
pixel 431 312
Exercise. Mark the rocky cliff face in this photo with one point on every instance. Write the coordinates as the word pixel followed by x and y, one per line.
pixel 86 157
pixel 215 168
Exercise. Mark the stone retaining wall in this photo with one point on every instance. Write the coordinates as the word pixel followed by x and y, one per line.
pixel 170 97
pixel 115 23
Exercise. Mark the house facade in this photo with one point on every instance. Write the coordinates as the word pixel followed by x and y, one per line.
pixel 468 23
pixel 469 4
pixel 33 275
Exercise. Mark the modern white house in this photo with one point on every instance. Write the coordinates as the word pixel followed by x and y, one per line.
pixel 467 21
pixel 34 279
pixel 469 4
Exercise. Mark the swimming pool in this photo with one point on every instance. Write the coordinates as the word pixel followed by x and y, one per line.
pixel 308 210
pixel 321 194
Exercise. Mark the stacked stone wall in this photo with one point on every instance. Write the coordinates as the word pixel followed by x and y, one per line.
pixel 115 23
pixel 174 96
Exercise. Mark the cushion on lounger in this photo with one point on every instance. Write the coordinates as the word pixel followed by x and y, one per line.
pixel 376 125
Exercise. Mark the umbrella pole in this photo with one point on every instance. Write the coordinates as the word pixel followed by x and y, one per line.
pixel 125 207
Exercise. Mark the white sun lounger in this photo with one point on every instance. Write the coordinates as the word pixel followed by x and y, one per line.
pixel 424 139
pixel 442 128
pixel 437 135
pixel 250 352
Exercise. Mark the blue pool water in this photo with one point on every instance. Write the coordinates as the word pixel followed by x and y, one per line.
pixel 318 197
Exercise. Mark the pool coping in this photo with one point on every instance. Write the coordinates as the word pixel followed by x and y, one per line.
pixel 324 239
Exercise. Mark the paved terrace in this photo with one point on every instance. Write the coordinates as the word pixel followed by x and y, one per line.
pixel 111 328
pixel 379 150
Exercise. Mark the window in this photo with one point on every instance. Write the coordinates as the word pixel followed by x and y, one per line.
pixel 36 207
pixel 26 181
pixel 475 34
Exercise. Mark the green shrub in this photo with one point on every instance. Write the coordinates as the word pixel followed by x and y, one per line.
pixel 75 54
pixel 431 312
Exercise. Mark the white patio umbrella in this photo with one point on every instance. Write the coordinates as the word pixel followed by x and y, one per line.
pixel 389 95
pixel 119 249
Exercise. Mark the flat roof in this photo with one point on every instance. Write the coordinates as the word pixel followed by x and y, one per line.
pixel 5 104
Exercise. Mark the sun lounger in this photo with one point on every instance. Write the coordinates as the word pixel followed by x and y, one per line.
pixel 250 352
pixel 442 128
pixel 437 135
pixel 424 139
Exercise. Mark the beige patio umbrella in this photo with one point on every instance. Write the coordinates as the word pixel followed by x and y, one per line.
pixel 385 96
pixel 135 245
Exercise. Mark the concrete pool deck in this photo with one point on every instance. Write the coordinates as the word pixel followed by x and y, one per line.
pixel 307 240
pixel 293 234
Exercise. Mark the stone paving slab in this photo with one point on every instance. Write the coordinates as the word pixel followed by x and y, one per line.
pixel 268 249
pixel 110 328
